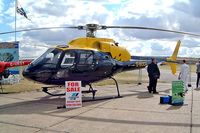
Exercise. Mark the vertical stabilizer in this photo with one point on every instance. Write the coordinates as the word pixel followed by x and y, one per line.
pixel 171 61
pixel 175 53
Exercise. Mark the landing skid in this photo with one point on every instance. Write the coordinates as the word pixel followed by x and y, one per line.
pixel 1 87
pixel 118 94
pixel 45 89
pixel 91 90
pixel 94 91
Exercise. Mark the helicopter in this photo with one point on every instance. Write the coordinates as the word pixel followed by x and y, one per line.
pixel 4 68
pixel 88 59
pixel 8 53
pixel 4 71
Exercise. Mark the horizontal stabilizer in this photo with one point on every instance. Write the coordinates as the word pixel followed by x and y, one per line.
pixel 173 67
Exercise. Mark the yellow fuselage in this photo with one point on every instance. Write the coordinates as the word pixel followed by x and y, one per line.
pixel 100 44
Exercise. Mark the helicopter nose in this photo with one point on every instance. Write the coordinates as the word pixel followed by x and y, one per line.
pixel 26 73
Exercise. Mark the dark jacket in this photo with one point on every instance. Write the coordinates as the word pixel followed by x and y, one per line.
pixel 153 70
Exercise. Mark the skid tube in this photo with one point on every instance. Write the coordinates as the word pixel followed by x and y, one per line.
pixel 117 86
pixel 45 89
pixel 91 90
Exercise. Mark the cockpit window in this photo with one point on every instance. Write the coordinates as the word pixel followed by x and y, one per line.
pixel 68 59
pixel 49 58
pixel 86 57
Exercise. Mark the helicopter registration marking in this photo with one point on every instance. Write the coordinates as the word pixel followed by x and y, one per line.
pixel 140 64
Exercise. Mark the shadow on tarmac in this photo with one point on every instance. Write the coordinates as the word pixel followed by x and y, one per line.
pixel 48 103
pixel 40 106
pixel 47 106
pixel 146 94
pixel 174 107
pixel 197 89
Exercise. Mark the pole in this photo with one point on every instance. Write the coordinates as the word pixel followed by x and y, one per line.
pixel 190 76
pixel 140 77
pixel 15 18
pixel 16 4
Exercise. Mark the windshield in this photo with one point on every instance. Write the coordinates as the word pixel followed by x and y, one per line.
pixel 49 58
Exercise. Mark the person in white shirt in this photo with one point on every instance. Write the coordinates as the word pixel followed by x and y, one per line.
pixel 198 74
pixel 184 74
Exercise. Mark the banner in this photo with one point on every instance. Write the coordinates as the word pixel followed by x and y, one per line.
pixel 177 92
pixel 9 51
pixel 73 94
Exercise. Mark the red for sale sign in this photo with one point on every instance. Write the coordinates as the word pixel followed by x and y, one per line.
pixel 73 94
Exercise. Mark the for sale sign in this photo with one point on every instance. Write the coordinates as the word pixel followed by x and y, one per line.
pixel 73 94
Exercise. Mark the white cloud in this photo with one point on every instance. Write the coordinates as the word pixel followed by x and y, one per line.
pixel 1 6
pixel 31 48
pixel 150 8
pixel 153 13
pixel 1 11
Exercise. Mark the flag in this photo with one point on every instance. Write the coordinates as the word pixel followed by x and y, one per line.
pixel 21 11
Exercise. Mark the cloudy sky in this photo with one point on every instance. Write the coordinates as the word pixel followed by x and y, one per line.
pixel 183 15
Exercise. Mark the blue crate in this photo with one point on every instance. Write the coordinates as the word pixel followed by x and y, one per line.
pixel 165 99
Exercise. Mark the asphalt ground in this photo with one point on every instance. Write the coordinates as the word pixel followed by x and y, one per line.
pixel 136 112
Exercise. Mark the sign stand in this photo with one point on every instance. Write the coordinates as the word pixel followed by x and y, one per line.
pixel 189 84
pixel 140 77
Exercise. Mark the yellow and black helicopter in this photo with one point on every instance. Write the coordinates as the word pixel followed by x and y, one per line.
pixel 88 59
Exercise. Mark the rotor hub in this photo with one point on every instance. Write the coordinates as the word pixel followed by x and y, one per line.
pixel 91 29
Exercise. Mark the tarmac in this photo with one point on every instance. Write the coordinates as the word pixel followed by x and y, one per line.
pixel 136 112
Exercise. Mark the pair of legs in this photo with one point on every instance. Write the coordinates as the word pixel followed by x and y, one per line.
pixel 185 81
pixel 198 77
pixel 152 84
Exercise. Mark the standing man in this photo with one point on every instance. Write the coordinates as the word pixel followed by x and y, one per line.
pixel 154 75
pixel 198 73
pixel 184 74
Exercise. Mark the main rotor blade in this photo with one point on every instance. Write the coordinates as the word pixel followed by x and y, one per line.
pixel 102 27
pixel 151 28
pixel 35 29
